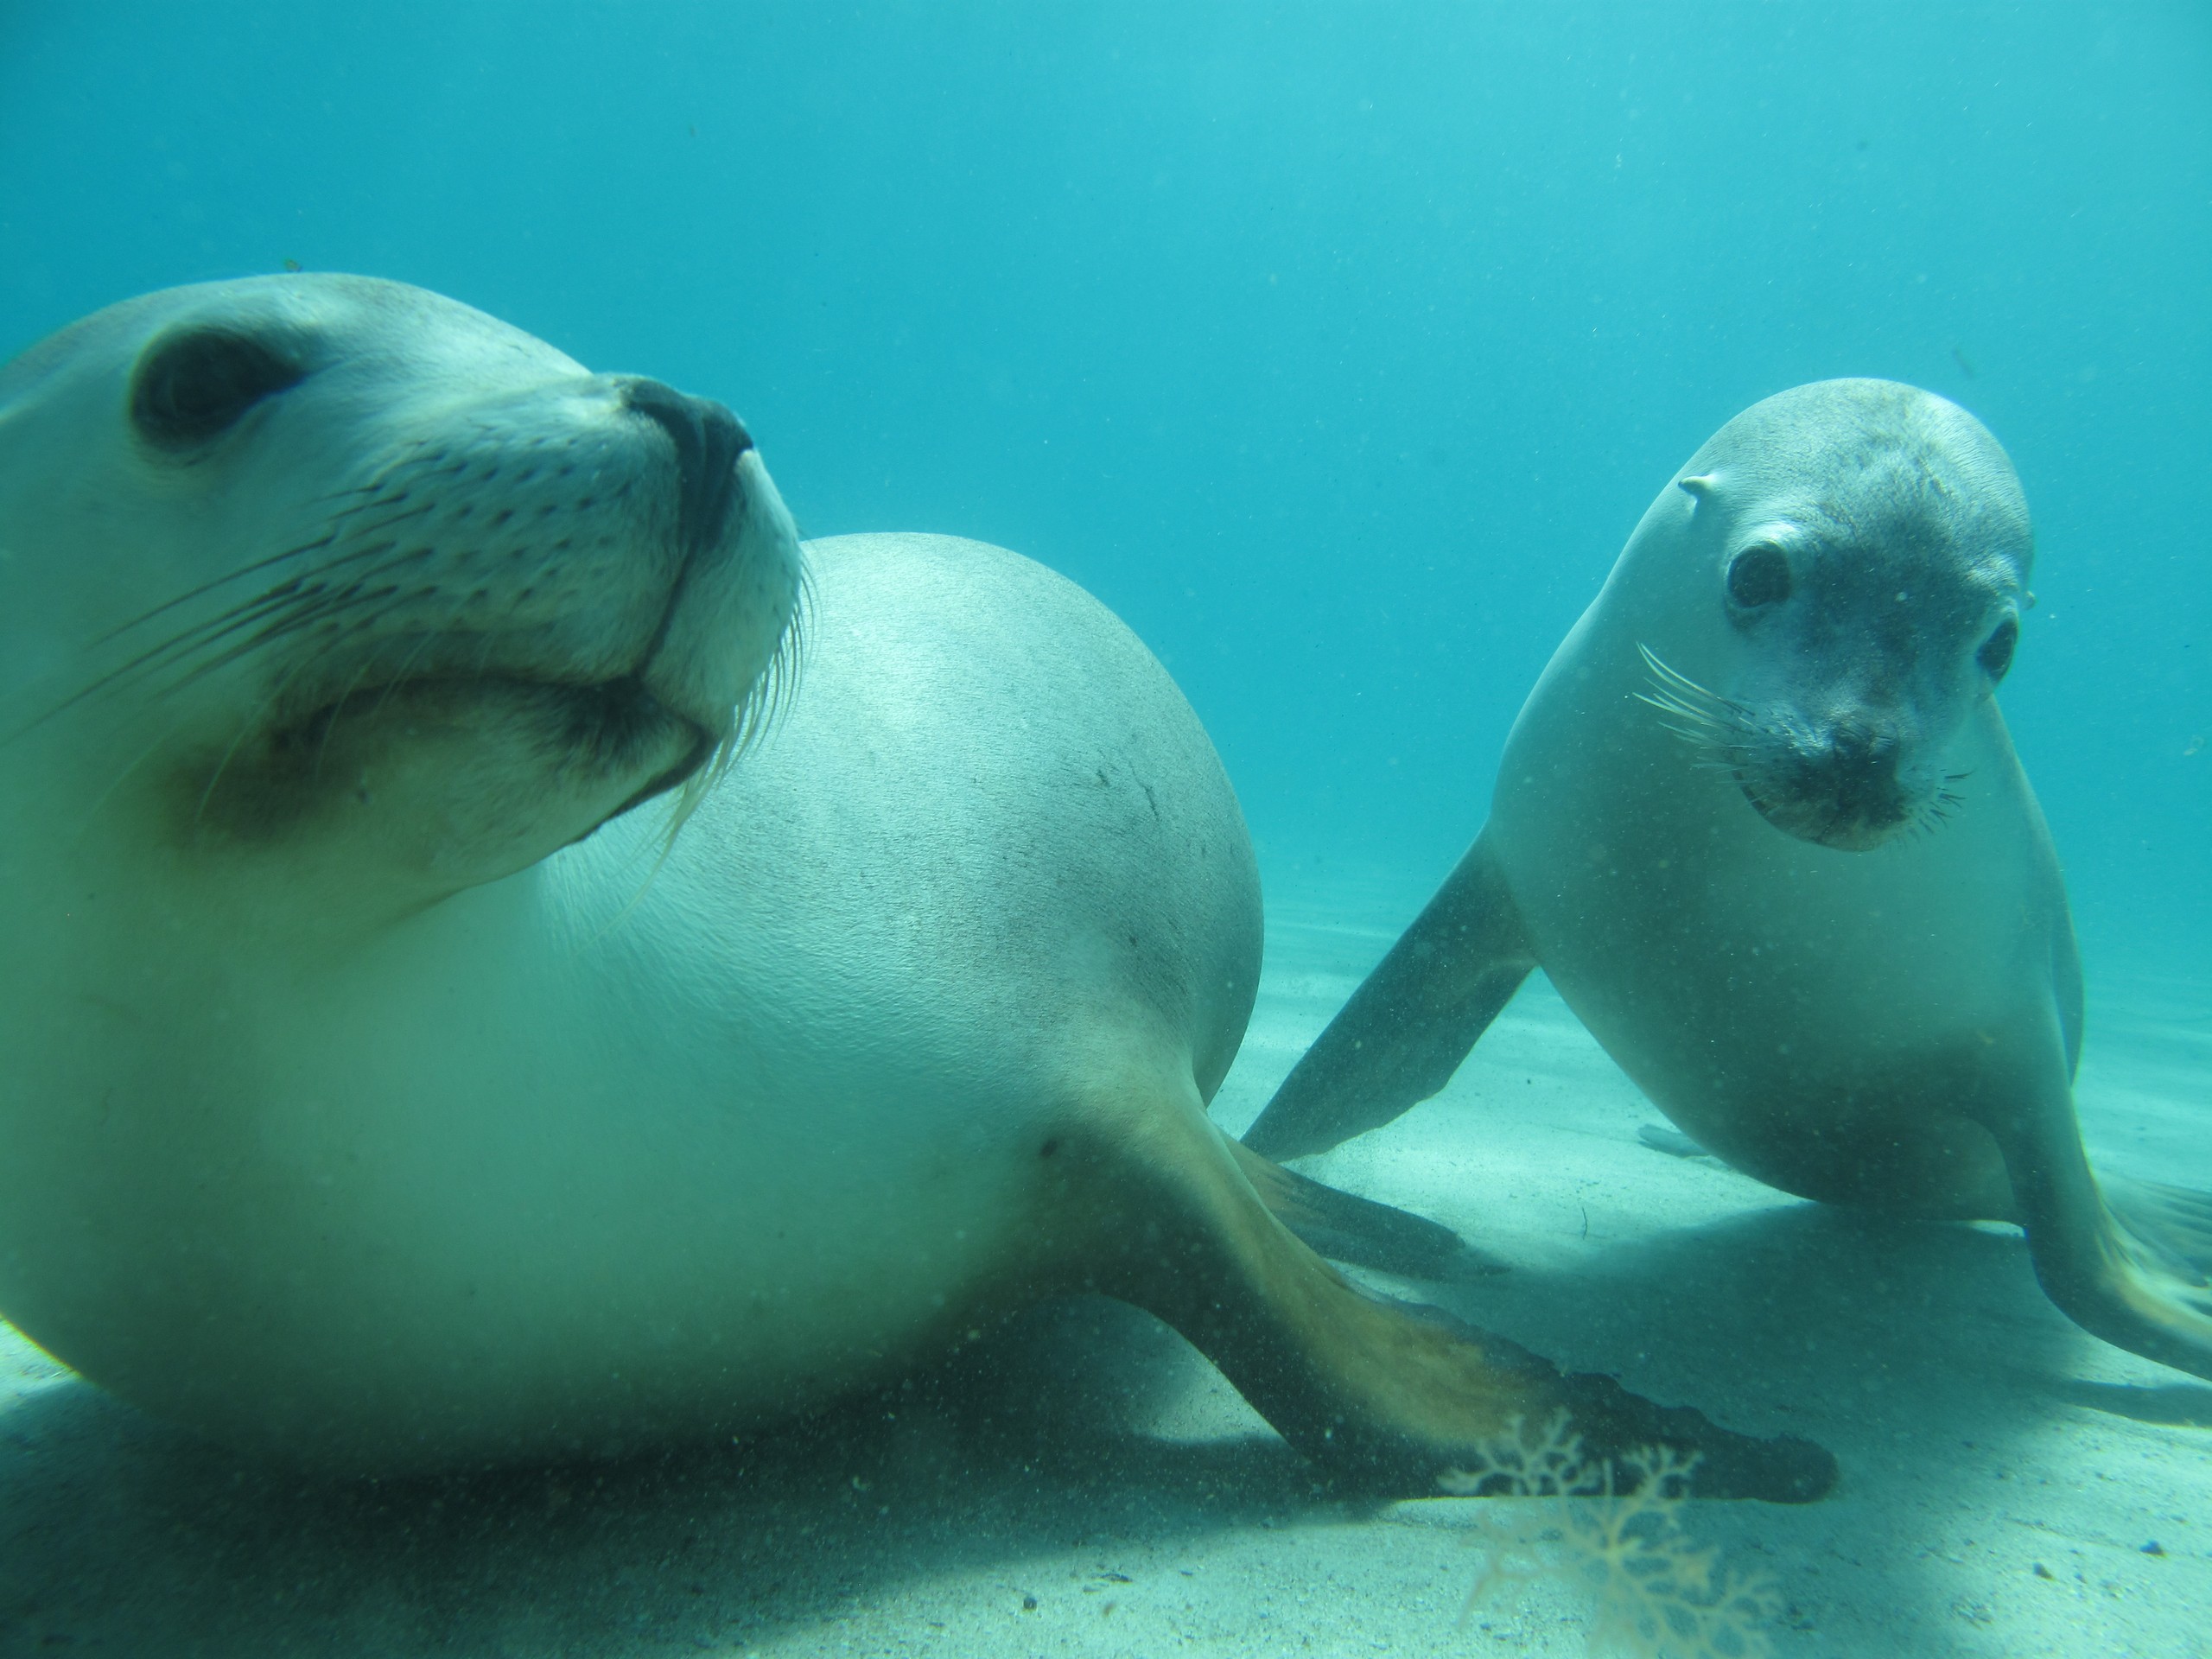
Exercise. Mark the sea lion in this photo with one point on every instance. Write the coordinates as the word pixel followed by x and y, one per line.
pixel 384 1092
pixel 1761 822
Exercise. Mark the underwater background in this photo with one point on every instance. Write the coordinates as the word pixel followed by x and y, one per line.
pixel 1337 348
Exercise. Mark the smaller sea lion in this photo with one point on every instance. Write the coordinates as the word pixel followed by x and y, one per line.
pixel 1761 822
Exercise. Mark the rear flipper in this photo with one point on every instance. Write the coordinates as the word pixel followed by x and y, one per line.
pixel 2127 1263
pixel 2130 1287
pixel 1387 1397
pixel 1346 1227
pixel 2176 1221
pixel 1410 1023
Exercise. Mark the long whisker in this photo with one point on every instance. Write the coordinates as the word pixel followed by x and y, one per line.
pixel 85 820
pixel 295 607
pixel 330 535
pixel 1720 729
pixel 283 626
pixel 390 685
pixel 191 594
pixel 360 677
pixel 246 729
pixel 765 699
pixel 291 605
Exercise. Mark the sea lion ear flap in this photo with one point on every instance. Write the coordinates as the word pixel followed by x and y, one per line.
pixel 1699 487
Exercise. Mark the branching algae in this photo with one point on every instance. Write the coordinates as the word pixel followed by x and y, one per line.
pixel 1551 1515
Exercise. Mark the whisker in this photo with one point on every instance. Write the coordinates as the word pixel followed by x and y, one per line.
pixel 765 701
pixel 276 631
pixel 243 614
pixel 304 605
pixel 189 594
pixel 1675 706
pixel 329 536
pixel 337 707
pixel 85 820
pixel 383 696
pixel 245 730
pixel 1721 730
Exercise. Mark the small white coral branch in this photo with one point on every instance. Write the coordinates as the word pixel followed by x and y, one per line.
pixel 1555 1516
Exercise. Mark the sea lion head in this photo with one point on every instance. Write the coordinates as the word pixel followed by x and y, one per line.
pixel 334 569
pixel 1863 549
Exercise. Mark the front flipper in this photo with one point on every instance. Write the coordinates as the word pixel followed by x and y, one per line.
pixel 1410 1023
pixel 1385 1395
pixel 2131 1270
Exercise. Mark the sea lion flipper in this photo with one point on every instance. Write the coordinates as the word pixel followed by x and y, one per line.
pixel 1410 1023
pixel 1344 1227
pixel 2129 1266
pixel 1387 1396
pixel 1673 1142
pixel 2177 1221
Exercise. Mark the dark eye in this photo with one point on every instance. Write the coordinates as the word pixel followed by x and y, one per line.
pixel 1996 653
pixel 195 386
pixel 1758 575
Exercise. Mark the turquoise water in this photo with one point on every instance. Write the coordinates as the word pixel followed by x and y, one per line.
pixel 1338 349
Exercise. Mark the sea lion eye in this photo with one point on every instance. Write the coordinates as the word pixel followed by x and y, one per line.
pixel 1996 653
pixel 1758 575
pixel 195 386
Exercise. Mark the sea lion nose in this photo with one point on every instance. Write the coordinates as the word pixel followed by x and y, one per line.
pixel 708 439
pixel 1862 765
pixel 1864 749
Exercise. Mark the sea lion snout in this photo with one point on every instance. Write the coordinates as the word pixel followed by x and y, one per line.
pixel 413 592
pixel 709 440
pixel 1849 776
pixel 1841 785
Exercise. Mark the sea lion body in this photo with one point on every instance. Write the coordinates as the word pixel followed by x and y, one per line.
pixel 450 1019
pixel 1762 824
pixel 685 1134
pixel 1728 966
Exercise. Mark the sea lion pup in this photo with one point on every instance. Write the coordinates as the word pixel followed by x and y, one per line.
pixel 1761 823
pixel 382 1093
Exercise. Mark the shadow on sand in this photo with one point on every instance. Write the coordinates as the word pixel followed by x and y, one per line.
pixel 1919 1354
pixel 121 1534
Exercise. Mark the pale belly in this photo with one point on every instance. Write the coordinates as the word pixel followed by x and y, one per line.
pixel 654 1139
pixel 494 1219
pixel 1798 1009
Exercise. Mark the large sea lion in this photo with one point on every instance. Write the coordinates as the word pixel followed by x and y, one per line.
pixel 1761 823
pixel 382 1092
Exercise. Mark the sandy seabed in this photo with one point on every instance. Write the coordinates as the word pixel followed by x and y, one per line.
pixel 1082 1484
